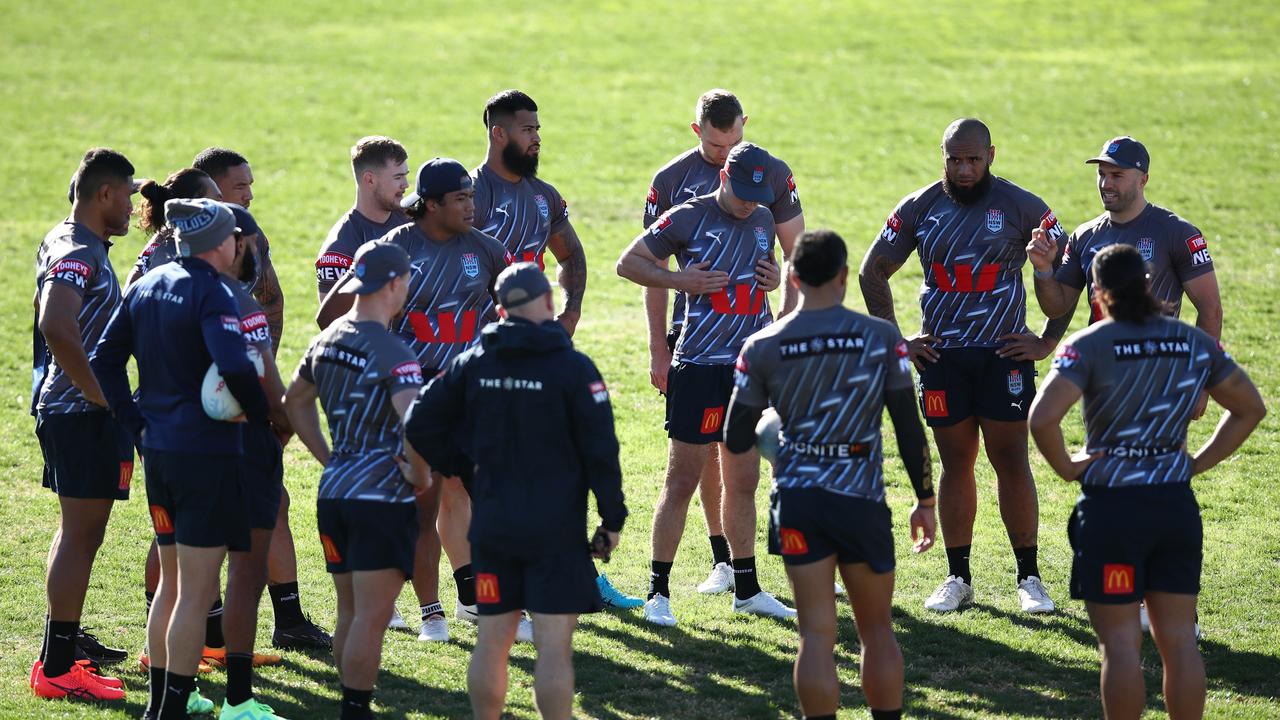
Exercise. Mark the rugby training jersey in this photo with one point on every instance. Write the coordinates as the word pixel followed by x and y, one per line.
pixel 826 373
pixel 716 325
pixel 253 320
pixel 73 256
pixel 449 299
pixel 1174 249
pixel 1140 384
pixel 689 175
pixel 357 367
pixel 972 256
pixel 162 249
pixel 346 236
pixel 522 215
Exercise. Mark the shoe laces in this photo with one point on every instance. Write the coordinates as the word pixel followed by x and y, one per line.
pixel 951 589
pixel 1032 586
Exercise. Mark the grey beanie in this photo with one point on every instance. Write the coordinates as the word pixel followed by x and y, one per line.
pixel 199 224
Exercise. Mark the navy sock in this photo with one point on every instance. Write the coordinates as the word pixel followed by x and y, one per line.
pixel 156 690
pixel 356 704
pixel 885 714
pixel 287 604
pixel 239 677
pixel 745 583
pixel 60 654
pixel 719 549
pixel 659 579
pixel 832 716
pixel 465 579
pixel 1027 565
pixel 213 626
pixel 176 690
pixel 958 563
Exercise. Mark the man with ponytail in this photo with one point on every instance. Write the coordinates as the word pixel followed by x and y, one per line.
pixel 187 183
pixel 1136 530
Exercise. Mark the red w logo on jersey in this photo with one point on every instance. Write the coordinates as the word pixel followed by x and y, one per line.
pixel 746 300
pixel 449 328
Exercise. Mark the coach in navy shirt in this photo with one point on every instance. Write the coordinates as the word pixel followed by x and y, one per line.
pixel 177 320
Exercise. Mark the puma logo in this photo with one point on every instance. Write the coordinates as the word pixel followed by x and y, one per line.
pixel 1017 404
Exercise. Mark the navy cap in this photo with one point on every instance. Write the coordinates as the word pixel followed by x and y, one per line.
pixel 436 177
pixel 519 284
pixel 244 220
pixel 748 167
pixel 1124 152
pixel 376 263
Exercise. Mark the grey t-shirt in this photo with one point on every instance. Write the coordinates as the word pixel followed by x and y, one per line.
pixel 357 368
pixel 1140 384
pixel 346 236
pixel 1174 249
pixel 689 175
pixel 826 373
pixel 522 216
pixel 716 325
pixel 73 256
pixel 972 256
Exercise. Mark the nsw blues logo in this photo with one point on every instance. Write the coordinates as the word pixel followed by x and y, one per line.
pixel 1147 247
pixel 1015 382
pixel 757 175
pixel 543 209
pixel 470 264
pixel 995 220
pixel 762 239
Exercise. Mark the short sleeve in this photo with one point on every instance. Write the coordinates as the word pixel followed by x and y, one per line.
pixel 1221 365
pixel 396 366
pixel 748 378
pixel 336 256
pixel 1191 257
pixel 1071 272
pixel 559 210
pixel 75 269
pixel 897 362
pixel 897 238
pixel 655 203
pixel 786 199
pixel 1072 362
pixel 663 238
pixel 499 258
pixel 306 368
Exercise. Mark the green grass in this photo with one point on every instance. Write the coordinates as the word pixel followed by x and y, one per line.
pixel 854 96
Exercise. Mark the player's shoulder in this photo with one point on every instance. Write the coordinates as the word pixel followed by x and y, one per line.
pixel 1090 226
pixel 1171 221
pixel 762 216
pixel 1016 192
pixel 344 225
pixel 69 238
pixel 779 166
pixel 481 239
pixel 920 198
pixel 677 165
pixel 538 186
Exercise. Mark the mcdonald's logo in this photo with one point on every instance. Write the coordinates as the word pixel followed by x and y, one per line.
pixel 487 589
pixel 712 418
pixel 331 554
pixel 1117 579
pixel 935 403
pixel 793 542
pixel 449 328
pixel 746 300
pixel 160 520
pixel 126 474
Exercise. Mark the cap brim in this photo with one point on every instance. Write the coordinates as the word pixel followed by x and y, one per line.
pixel 409 200
pixel 751 193
pixel 1108 160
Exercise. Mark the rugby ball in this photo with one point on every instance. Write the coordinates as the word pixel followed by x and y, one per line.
pixel 769 434
pixel 216 397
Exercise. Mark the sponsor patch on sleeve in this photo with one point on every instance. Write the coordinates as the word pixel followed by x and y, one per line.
pixel 904 355
pixel 1049 223
pixel 1199 250
pixel 71 270
pixel 334 260
pixel 230 322
pixel 1066 357
pixel 892 226
pixel 663 223
pixel 407 373
pixel 791 188
pixel 599 392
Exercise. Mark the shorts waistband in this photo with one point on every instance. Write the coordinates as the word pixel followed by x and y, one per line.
pixel 1135 491
pixel 1128 451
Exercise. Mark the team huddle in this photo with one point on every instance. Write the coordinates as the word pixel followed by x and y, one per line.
pixel 440 338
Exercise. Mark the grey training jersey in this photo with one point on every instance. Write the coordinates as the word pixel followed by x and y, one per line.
pixel 716 325
pixel 689 175
pixel 522 215
pixel 449 296
pixel 73 256
pixel 826 373
pixel 357 368
pixel 972 256
pixel 161 249
pixel 253 320
pixel 1174 249
pixel 346 236
pixel 1140 384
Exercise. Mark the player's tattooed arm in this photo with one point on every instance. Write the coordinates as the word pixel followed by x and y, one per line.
pixel 873 278
pixel 572 277
pixel 271 297
pixel 58 321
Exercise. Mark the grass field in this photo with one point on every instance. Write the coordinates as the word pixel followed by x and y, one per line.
pixel 854 95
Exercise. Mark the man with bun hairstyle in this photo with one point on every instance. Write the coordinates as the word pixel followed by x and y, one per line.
pixel 525 420
pixel 88 456
pixel 176 321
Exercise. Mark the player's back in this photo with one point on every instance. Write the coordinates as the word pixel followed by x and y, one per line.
pixel 826 372
pixel 1140 384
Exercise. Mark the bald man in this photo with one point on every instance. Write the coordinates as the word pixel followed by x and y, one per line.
pixel 974 352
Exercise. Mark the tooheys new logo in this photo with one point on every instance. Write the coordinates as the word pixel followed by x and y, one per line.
pixel 892 226
pixel 651 202
pixel 73 271
pixel 1199 250
pixel 331 265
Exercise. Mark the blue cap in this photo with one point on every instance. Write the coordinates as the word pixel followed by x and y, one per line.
pixel 244 220
pixel 436 177
pixel 376 263
pixel 748 167
pixel 520 283
pixel 1124 152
